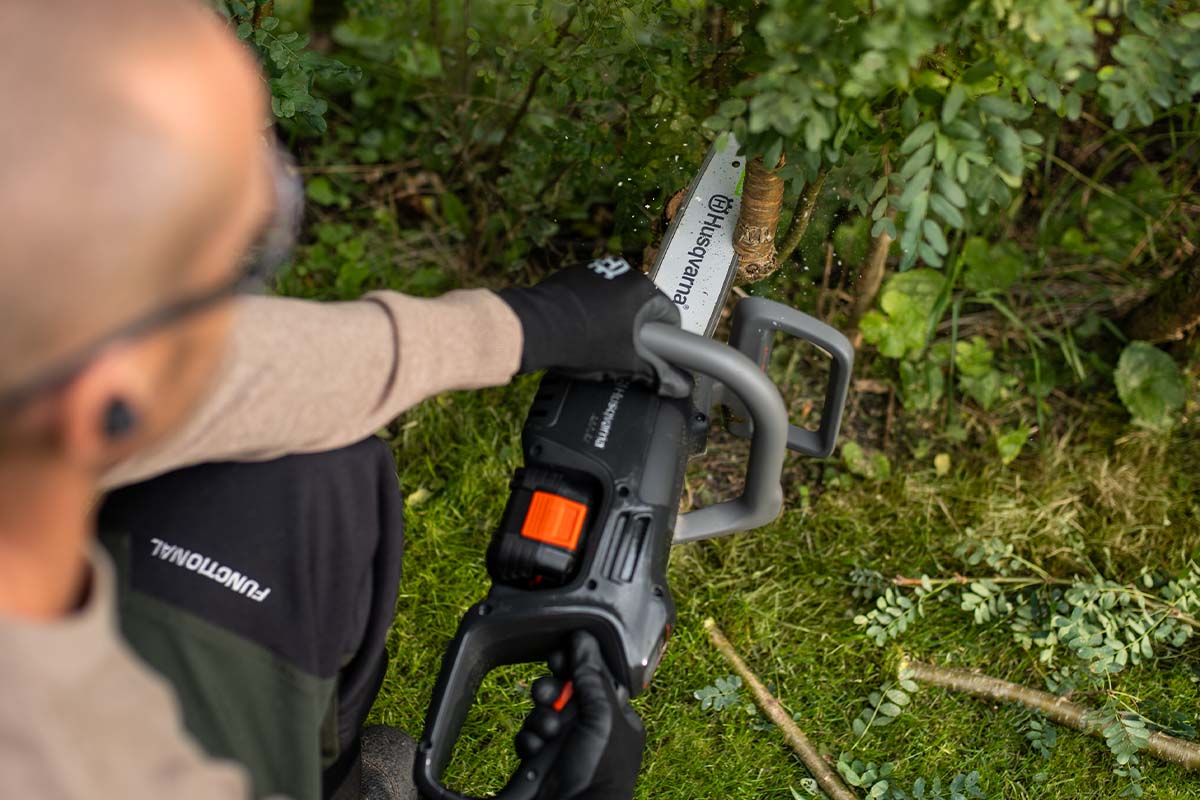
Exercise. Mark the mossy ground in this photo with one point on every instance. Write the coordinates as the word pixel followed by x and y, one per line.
pixel 1098 498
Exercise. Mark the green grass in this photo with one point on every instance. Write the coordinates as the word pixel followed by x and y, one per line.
pixel 1101 499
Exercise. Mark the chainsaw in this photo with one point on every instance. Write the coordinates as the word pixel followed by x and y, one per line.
pixel 585 536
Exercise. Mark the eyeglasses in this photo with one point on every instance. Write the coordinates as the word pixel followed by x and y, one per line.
pixel 270 250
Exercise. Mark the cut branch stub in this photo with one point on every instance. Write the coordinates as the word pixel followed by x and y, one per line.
pixel 754 236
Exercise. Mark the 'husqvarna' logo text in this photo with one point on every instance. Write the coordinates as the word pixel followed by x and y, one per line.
pixel 719 206
pixel 599 429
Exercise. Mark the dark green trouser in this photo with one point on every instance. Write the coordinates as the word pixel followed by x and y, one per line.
pixel 264 593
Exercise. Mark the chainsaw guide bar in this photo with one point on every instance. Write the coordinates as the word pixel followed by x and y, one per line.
pixel 697 262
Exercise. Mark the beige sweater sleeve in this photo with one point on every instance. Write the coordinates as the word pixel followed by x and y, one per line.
pixel 303 376
pixel 83 718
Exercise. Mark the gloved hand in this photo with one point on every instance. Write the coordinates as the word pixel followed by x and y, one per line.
pixel 583 320
pixel 602 740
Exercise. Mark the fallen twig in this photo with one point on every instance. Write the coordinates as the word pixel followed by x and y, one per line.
pixel 826 778
pixel 1057 709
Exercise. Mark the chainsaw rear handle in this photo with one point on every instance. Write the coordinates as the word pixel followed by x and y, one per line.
pixel 479 647
pixel 762 495
pixel 755 322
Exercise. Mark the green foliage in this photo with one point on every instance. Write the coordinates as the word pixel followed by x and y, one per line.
pixel 991 267
pixel 985 600
pixel 1106 625
pixel 878 783
pixel 1168 720
pixel 1010 443
pixel 866 775
pixel 892 614
pixel 907 300
pixel 539 115
pixel 724 693
pixel 884 706
pixel 871 465
pixel 1088 628
pixel 1041 734
pixel 342 262
pixel 932 116
pixel 922 384
pixel 1157 64
pixel 1047 346
pixel 955 96
pixel 1125 735
pixel 1114 222
pixel 1150 385
pixel 292 69
pixel 976 375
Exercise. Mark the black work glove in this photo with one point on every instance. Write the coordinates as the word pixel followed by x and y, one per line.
pixel 602 740
pixel 584 320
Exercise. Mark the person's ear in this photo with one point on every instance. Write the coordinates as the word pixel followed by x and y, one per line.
pixel 120 421
pixel 101 411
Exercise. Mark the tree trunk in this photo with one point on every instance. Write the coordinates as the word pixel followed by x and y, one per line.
pixel 1172 311
pixel 754 232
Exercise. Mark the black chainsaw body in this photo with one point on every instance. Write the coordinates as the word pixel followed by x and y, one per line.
pixel 585 537
pixel 619 450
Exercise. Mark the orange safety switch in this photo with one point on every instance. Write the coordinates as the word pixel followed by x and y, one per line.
pixel 554 519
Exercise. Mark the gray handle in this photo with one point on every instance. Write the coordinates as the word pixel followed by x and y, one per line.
pixel 762 496
pixel 755 321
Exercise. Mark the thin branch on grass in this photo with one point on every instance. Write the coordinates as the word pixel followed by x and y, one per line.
pixel 826 778
pixel 962 580
pixel 1056 708
pixel 802 215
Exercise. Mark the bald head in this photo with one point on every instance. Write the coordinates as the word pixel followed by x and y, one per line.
pixel 130 166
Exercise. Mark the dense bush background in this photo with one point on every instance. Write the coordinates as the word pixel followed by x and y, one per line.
pixel 1004 216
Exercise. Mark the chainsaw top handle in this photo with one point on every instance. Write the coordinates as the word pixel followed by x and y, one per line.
pixel 756 320
pixel 762 496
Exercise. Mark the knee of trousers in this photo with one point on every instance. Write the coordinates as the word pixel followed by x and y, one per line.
pixel 300 554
